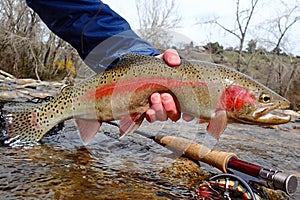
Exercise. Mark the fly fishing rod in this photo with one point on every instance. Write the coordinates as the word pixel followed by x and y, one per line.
pixel 225 161
pixel 229 163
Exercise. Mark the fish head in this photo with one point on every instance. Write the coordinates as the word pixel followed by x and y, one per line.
pixel 258 105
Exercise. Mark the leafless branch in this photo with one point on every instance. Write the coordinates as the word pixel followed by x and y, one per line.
pixel 156 19
pixel 24 49
pixel 241 31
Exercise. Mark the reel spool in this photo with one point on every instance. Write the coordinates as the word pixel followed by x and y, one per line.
pixel 227 187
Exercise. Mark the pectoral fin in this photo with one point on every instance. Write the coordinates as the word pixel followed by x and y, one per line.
pixel 217 124
pixel 130 123
pixel 88 129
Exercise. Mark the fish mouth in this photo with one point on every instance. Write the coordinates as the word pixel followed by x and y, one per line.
pixel 271 114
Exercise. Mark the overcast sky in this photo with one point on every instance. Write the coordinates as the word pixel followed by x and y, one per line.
pixel 192 11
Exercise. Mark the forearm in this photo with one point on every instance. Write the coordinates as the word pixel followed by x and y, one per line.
pixel 98 33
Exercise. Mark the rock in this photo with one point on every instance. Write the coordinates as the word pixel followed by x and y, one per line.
pixel 8 95
pixel 185 168
pixel 27 81
pixel 13 89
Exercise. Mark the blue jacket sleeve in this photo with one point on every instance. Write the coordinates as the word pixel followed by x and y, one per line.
pixel 99 34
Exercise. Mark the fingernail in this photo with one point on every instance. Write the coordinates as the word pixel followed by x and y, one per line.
pixel 174 59
pixel 155 98
pixel 166 97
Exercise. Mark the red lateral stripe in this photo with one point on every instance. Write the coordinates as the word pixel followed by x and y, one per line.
pixel 138 84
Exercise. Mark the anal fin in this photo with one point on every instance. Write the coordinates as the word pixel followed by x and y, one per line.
pixel 88 129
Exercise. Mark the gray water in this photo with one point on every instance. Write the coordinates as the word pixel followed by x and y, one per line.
pixel 135 167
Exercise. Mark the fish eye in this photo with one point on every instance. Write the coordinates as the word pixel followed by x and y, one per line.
pixel 265 98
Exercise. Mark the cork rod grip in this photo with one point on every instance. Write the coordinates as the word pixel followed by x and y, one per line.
pixel 196 151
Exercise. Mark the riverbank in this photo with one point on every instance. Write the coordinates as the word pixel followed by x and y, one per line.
pixel 20 90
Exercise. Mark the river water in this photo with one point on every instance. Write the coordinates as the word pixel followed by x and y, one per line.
pixel 135 167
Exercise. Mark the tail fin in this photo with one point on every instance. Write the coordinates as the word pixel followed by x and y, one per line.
pixel 22 125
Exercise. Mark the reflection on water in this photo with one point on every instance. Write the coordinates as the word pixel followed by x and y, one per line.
pixel 133 167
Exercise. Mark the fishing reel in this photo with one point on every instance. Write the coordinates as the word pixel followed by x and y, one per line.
pixel 230 186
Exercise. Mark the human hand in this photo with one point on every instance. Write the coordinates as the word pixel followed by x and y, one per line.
pixel 171 57
pixel 163 105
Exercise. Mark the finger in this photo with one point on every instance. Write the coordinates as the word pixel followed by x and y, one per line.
pixel 160 56
pixel 187 117
pixel 170 106
pixel 171 57
pixel 158 107
pixel 150 115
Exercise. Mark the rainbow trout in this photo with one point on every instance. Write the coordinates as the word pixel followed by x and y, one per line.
pixel 210 92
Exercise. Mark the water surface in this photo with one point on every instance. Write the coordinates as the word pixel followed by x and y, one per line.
pixel 134 167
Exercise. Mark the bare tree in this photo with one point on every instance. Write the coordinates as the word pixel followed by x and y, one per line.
pixel 243 18
pixel 156 19
pixel 277 30
pixel 27 47
pixel 17 23
pixel 293 77
pixel 280 26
